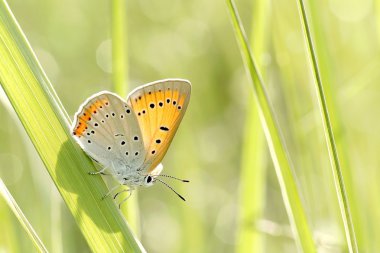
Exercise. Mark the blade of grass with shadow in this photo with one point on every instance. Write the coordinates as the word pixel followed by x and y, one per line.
pixel 119 80
pixel 330 139
pixel 21 217
pixel 290 195
pixel 47 125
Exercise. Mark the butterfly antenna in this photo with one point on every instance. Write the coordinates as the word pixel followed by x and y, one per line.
pixel 183 180
pixel 156 179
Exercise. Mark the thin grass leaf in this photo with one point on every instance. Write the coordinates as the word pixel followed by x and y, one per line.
pixel 290 195
pixel 355 84
pixel 119 78
pixel 21 217
pixel 47 125
pixel 331 145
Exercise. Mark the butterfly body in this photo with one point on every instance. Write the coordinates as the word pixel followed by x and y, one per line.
pixel 130 138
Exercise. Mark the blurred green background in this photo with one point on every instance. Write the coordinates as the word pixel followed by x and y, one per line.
pixel 194 40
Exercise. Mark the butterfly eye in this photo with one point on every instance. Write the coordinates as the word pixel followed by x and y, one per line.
pixel 148 180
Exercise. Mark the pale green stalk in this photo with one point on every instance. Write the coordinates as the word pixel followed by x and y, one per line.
pixel 119 46
pixel 119 79
pixel 21 217
pixel 290 195
pixel 335 163
pixel 252 184
pixel 253 172
pixel 47 125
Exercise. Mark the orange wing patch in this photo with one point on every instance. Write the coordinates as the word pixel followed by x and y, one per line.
pixel 140 108
pixel 159 108
pixel 85 115
pixel 167 128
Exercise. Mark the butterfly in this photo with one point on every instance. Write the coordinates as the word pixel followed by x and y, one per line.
pixel 130 138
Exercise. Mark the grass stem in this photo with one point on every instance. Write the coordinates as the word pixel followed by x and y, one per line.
pixel 336 168
pixel 290 195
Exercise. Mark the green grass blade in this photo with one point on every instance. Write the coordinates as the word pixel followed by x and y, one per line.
pixel 46 123
pixel 336 168
pixel 119 78
pixel 21 217
pixel 357 83
pixel 293 205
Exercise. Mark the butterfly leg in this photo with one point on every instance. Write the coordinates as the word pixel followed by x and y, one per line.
pixel 110 191
pixel 98 172
pixel 129 190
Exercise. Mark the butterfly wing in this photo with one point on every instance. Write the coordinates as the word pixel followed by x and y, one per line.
pixel 108 131
pixel 159 108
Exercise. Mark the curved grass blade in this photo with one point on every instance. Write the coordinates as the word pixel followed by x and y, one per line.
pixel 331 145
pixel 46 123
pixel 21 217
pixel 290 195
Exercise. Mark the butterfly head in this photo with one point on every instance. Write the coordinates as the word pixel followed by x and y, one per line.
pixel 150 179
pixel 137 180
pixel 139 177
